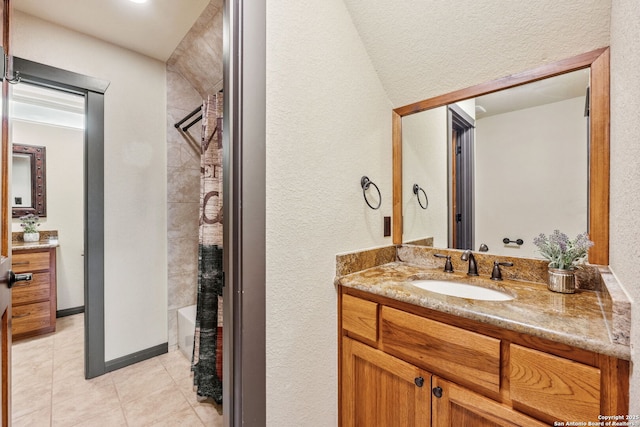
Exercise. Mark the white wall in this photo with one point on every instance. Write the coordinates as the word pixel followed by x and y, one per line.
pixel 65 201
pixel 424 161
pixel 135 176
pixel 328 123
pixel 546 145
pixel 625 173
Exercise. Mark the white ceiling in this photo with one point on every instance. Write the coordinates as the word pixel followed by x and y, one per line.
pixel 547 91
pixel 154 28
pixel 419 48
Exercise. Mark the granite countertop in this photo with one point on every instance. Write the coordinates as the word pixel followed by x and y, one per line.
pixel 578 319
pixel 41 244
pixel 48 239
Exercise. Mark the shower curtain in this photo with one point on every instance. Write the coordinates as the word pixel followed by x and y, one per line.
pixel 207 349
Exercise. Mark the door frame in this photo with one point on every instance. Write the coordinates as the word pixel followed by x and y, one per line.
pixel 93 90
pixel 461 178
pixel 244 193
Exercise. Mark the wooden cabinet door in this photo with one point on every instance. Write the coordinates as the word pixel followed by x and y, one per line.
pixel 380 390
pixel 457 406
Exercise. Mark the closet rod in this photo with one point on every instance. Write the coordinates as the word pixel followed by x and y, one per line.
pixel 188 116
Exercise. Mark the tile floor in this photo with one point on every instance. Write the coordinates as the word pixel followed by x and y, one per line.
pixel 49 389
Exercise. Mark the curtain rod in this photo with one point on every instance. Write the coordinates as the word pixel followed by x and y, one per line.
pixel 191 114
pixel 188 116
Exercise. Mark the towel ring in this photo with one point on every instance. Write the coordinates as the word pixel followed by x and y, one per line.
pixel 365 182
pixel 416 190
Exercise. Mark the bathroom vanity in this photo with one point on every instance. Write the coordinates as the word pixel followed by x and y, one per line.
pixel 34 301
pixel 414 357
pixel 411 356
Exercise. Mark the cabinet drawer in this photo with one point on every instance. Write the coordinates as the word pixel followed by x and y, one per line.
pixel 37 289
pixel 360 317
pixel 29 262
pixel 466 357
pixel 31 317
pixel 560 388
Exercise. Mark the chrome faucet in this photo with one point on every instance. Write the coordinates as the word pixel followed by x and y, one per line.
pixel 473 267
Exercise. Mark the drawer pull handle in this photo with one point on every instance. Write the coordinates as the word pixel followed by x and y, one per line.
pixel 21 316
pixel 419 381
pixel 437 392
pixel 28 282
pixel 22 263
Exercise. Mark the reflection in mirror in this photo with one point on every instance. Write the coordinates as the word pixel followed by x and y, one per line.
pixel 524 173
pixel 28 186
pixel 21 180
pixel 537 160
pixel 424 161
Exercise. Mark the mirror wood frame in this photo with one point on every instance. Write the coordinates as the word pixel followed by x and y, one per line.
pixel 599 145
pixel 38 181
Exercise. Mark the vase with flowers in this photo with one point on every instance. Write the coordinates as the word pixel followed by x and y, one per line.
pixel 30 224
pixel 564 257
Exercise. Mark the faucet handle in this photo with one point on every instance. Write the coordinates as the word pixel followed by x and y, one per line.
pixel 448 267
pixel 496 274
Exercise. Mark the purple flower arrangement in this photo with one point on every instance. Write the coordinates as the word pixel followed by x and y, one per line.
pixel 29 223
pixel 561 252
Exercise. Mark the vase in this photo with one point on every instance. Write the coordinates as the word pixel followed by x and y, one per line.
pixel 563 281
pixel 31 237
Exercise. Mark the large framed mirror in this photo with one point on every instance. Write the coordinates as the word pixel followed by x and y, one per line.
pixel 537 160
pixel 28 185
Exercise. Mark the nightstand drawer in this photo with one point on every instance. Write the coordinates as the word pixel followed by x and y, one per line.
pixel 34 290
pixel 30 262
pixel 465 357
pixel 31 317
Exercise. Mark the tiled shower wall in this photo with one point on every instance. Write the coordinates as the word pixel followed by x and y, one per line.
pixel 194 70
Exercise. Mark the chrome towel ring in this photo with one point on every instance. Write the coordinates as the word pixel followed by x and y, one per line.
pixel 416 191
pixel 365 182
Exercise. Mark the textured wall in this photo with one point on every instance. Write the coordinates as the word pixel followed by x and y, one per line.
pixel 425 48
pixel 135 176
pixel 625 173
pixel 193 71
pixel 328 123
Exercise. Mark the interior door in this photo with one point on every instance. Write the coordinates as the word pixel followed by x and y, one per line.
pixel 5 232
pixel 462 192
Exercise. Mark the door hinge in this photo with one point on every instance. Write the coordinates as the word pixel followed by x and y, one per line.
pixel 459 149
pixel 459 217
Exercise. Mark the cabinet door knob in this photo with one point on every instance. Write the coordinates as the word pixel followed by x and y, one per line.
pixel 419 381
pixel 437 392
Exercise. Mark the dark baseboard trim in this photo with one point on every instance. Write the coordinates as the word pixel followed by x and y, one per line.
pixel 136 357
pixel 69 311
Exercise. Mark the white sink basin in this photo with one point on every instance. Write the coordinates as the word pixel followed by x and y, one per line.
pixel 462 290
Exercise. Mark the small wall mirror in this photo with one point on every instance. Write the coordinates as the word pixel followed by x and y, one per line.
pixel 28 187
